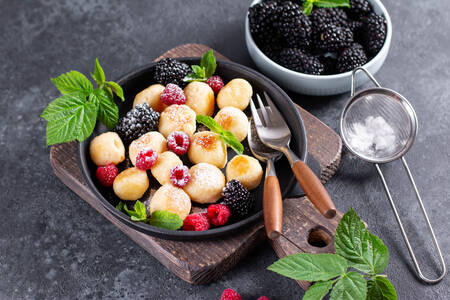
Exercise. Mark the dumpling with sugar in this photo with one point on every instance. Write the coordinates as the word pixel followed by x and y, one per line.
pixel 246 169
pixel 207 147
pixel 206 184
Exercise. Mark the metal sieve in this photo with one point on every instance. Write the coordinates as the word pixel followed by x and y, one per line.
pixel 394 126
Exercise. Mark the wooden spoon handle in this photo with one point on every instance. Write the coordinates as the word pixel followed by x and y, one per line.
pixel 314 189
pixel 272 207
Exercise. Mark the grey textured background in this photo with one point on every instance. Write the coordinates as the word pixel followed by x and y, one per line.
pixel 54 246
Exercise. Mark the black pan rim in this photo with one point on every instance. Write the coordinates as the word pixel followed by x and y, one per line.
pixel 214 232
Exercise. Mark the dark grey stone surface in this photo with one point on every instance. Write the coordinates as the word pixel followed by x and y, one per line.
pixel 54 246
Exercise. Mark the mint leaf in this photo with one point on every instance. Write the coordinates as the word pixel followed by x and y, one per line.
pixel 72 82
pixel 116 88
pixel 364 250
pixel 78 122
pixel 331 3
pixel 208 62
pixel 198 71
pixel 350 286
pixel 166 219
pixel 193 77
pixel 108 113
pixel 139 214
pixel 99 75
pixel 310 267
pixel 228 138
pixel 210 123
pixel 380 288
pixel 318 290
pixel 307 7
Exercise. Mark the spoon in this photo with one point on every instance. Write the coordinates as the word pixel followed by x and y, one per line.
pixel 272 200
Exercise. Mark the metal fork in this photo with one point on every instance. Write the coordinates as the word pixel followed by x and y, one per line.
pixel 274 132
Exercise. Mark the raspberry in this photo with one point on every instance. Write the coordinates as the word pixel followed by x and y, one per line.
pixel 216 83
pixel 218 214
pixel 263 298
pixel 173 94
pixel 179 176
pixel 178 142
pixel 107 174
pixel 146 159
pixel 196 222
pixel 230 294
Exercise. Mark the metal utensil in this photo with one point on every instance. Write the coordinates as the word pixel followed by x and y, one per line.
pixel 274 132
pixel 272 200
pixel 398 113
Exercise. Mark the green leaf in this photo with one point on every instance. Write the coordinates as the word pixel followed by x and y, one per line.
pixel 192 77
pixel 140 210
pixel 116 88
pixel 210 123
pixel 139 214
pixel 331 3
pixel 310 267
pixel 351 286
pixel 318 290
pixel 228 138
pixel 198 71
pixel 364 250
pixel 166 219
pixel 73 82
pixel 380 288
pixel 307 7
pixel 99 75
pixel 208 62
pixel 108 113
pixel 76 120
pixel 62 106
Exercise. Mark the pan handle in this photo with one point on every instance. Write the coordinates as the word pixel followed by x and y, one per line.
pixel 405 237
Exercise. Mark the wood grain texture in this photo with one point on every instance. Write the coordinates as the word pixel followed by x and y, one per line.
pixel 189 260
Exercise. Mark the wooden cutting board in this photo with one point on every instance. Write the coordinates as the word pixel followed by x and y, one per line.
pixel 197 262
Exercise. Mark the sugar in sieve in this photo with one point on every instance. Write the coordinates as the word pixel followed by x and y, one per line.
pixel 379 125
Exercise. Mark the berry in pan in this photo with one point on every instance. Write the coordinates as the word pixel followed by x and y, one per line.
pixel 152 139
pixel 172 199
pixel 218 214
pixel 180 176
pixel 237 198
pixel 107 174
pixel 107 148
pixel 178 142
pixel 216 83
pixel 165 162
pixel 173 94
pixel 196 222
pixel 138 121
pixel 146 159
pixel 169 70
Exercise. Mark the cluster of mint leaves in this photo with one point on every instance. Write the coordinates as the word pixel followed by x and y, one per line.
pixel 308 4
pixel 159 218
pixel 73 115
pixel 205 70
pixel 355 247
pixel 226 136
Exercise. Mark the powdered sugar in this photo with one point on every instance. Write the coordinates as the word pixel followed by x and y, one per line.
pixel 373 137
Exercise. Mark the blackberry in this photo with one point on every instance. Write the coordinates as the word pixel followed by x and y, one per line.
pixel 356 28
pixel 358 9
pixel 351 58
pixel 138 121
pixel 169 70
pixel 261 18
pixel 293 26
pixel 237 198
pixel 297 60
pixel 374 27
pixel 322 16
pixel 272 51
pixel 329 65
pixel 332 38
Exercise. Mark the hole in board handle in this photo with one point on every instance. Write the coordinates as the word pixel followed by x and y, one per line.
pixel 319 237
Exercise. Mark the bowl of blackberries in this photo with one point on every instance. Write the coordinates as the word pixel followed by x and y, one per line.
pixel 312 46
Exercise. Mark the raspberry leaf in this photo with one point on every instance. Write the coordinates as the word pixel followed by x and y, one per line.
pixel 117 89
pixel 72 82
pixel 380 288
pixel 99 75
pixel 364 250
pixel 310 267
pixel 166 219
pixel 318 290
pixel 350 286
pixel 208 62
pixel 108 113
pixel 69 124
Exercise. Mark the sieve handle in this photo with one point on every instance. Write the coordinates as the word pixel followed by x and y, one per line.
pixel 368 75
pixel 405 237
